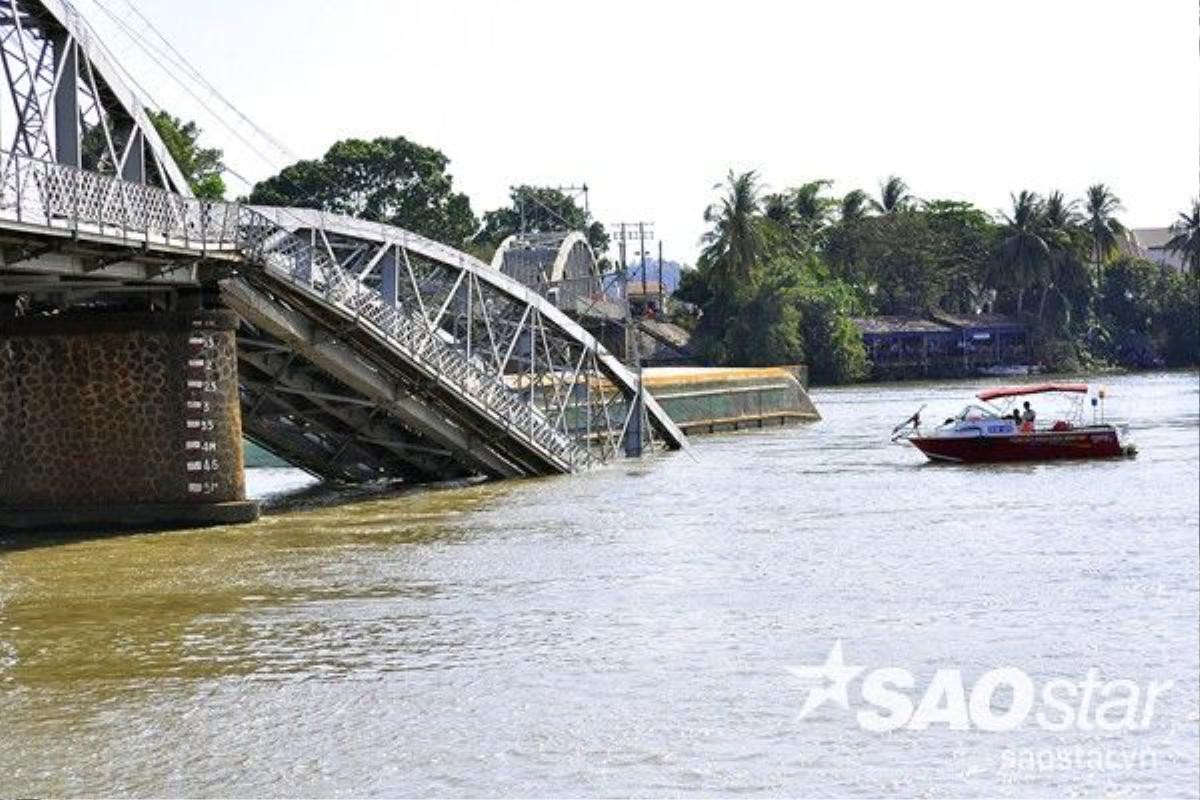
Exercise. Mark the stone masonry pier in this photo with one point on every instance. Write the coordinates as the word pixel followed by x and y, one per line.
pixel 113 420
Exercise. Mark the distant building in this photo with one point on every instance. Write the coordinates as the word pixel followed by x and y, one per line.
pixel 943 344
pixel 1151 244
pixel 989 340
pixel 900 345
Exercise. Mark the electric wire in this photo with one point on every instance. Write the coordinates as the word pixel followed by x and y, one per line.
pixel 144 95
pixel 151 52
pixel 157 56
pixel 181 62
pixel 199 77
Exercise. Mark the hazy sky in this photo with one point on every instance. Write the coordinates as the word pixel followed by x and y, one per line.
pixel 651 103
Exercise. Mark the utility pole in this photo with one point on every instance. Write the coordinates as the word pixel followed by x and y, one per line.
pixel 571 191
pixel 624 268
pixel 633 433
pixel 625 233
pixel 642 251
pixel 661 307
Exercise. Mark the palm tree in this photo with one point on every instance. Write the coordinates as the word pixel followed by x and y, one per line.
pixel 737 239
pixel 854 206
pixel 893 196
pixel 1024 254
pixel 777 209
pixel 804 212
pixel 1186 238
pixel 811 206
pixel 1103 228
pixel 1062 233
pixel 1060 213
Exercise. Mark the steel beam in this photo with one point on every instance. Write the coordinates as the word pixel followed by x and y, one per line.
pixel 302 334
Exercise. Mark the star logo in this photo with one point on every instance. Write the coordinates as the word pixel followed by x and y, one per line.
pixel 828 682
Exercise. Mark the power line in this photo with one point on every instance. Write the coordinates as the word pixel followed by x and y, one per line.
pixel 199 77
pixel 178 60
pixel 147 49
pixel 174 57
pixel 191 72
pixel 532 195
pixel 144 94
pixel 150 52
pixel 118 65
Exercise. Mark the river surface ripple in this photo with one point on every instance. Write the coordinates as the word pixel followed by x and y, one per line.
pixel 628 631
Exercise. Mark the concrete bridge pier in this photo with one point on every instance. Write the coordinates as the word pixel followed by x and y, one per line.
pixel 120 420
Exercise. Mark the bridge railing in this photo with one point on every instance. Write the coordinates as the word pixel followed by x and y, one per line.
pixel 311 269
pixel 43 194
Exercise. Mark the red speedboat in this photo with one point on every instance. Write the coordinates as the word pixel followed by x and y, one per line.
pixel 987 432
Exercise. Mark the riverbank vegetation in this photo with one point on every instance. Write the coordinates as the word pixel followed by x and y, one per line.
pixel 782 275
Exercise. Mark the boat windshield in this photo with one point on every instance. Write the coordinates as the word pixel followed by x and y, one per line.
pixel 977 413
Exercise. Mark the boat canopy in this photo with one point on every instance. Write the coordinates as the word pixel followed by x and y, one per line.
pixel 1032 388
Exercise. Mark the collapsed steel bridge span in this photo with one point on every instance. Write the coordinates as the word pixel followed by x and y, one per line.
pixel 358 352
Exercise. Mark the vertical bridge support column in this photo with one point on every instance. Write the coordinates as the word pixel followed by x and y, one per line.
pixel 120 420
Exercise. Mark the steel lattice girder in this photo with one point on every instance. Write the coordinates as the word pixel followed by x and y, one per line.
pixel 315 342
pixel 579 388
pixel 60 79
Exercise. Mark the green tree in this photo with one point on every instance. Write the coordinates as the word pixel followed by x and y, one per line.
pixel 1127 306
pixel 833 345
pixel 804 212
pixel 1103 228
pixel 964 239
pixel 900 263
pixel 1178 320
pixel 1060 214
pixel 893 196
pixel 1066 274
pixel 739 237
pixel 202 167
pixel 1023 255
pixel 766 301
pixel 1127 296
pixel 796 313
pixel 539 209
pixel 853 206
pixel 1185 238
pixel 389 180
pixel 1149 314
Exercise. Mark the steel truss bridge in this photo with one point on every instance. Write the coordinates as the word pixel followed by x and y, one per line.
pixel 366 352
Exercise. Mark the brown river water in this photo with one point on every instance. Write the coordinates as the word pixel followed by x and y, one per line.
pixel 633 630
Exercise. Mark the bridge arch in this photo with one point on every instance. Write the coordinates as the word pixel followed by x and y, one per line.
pixel 546 258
